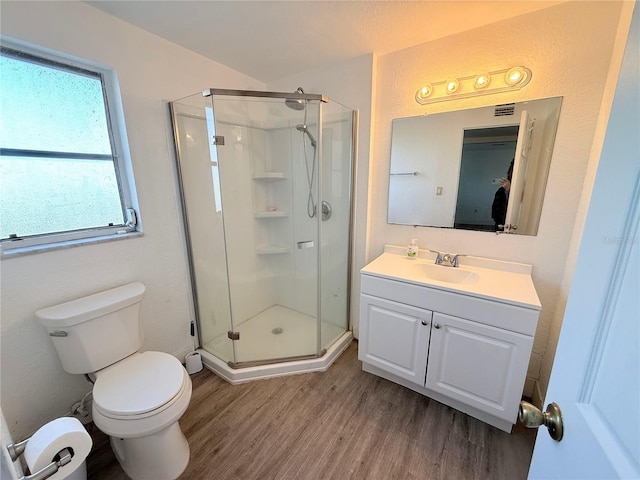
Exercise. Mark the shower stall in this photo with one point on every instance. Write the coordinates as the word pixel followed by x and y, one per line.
pixel 266 185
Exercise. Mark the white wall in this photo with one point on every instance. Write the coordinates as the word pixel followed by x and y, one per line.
pixel 151 72
pixel 568 48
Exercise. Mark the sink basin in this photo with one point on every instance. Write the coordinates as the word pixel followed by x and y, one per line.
pixel 506 282
pixel 446 274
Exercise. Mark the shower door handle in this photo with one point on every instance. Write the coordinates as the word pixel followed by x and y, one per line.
pixel 305 244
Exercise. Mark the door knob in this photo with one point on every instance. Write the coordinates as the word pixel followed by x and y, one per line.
pixel 531 417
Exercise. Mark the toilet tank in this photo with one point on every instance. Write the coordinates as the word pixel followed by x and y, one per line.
pixel 93 332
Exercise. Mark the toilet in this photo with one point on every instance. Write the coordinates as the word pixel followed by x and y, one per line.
pixel 138 397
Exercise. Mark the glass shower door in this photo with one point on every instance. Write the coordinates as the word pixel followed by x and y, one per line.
pixel 198 172
pixel 268 177
pixel 338 125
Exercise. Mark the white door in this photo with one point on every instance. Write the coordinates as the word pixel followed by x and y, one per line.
pixel 595 377
pixel 519 174
pixel 394 337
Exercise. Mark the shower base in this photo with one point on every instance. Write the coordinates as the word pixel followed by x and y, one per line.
pixel 276 333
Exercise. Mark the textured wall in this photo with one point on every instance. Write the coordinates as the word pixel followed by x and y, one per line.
pixel 151 71
pixel 568 48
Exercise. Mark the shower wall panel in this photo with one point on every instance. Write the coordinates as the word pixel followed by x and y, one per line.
pixel 305 229
pixel 251 284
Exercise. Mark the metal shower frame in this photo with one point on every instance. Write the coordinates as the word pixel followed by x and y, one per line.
pixel 354 124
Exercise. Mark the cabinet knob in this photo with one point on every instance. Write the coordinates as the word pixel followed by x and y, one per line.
pixel 425 322
pixel 436 325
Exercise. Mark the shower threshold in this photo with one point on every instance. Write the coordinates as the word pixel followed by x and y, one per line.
pixel 243 375
pixel 258 363
pixel 282 336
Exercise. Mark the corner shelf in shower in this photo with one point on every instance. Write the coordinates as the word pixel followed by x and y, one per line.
pixel 269 214
pixel 268 192
pixel 269 176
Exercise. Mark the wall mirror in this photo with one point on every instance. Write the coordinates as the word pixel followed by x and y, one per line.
pixel 447 169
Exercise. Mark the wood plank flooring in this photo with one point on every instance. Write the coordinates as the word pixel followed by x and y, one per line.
pixel 341 424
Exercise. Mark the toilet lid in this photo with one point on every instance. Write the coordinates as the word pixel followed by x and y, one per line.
pixel 138 384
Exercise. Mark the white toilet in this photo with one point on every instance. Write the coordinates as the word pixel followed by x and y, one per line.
pixel 138 398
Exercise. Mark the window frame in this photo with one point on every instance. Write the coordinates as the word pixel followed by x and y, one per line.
pixel 119 147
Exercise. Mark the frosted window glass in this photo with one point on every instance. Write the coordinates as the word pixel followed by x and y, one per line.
pixel 58 173
pixel 45 108
pixel 43 195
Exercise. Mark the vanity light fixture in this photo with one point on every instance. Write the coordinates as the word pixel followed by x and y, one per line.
pixel 497 81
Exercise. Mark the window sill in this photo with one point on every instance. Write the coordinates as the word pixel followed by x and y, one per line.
pixel 31 250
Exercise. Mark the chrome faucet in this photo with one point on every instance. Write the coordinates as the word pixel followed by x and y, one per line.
pixel 447 259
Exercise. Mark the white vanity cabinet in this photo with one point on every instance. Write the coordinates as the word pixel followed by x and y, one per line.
pixel 478 365
pixel 396 337
pixel 452 342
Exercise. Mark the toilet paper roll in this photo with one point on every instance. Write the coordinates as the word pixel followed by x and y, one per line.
pixel 44 445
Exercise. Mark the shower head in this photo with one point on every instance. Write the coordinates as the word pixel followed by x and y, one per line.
pixel 296 103
pixel 304 129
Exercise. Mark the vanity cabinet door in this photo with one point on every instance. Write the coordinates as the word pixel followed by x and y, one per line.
pixel 479 365
pixel 394 337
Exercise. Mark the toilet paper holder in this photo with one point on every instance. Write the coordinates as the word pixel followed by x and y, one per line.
pixel 17 449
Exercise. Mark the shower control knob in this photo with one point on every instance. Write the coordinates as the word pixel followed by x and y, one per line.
pixel 326 211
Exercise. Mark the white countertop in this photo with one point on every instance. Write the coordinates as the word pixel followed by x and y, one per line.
pixel 497 280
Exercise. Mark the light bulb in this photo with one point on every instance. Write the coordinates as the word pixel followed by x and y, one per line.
pixel 426 90
pixel 482 81
pixel 514 76
pixel 423 93
pixel 452 85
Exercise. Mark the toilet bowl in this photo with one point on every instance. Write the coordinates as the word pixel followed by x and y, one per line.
pixel 138 402
pixel 138 397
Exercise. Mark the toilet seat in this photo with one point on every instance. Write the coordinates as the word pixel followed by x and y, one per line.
pixel 127 425
pixel 139 386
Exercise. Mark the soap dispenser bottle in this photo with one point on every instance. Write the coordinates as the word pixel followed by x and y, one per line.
pixel 412 248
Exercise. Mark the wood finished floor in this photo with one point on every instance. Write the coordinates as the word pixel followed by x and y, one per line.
pixel 341 424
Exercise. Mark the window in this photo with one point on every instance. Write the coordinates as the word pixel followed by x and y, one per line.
pixel 62 170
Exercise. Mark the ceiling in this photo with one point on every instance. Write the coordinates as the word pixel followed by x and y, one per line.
pixel 268 40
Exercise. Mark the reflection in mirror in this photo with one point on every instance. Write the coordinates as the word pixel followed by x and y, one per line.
pixel 453 169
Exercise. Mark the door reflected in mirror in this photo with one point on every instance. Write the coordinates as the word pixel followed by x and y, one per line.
pixel 454 169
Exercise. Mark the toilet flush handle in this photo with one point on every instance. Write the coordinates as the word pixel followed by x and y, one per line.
pixel 58 333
